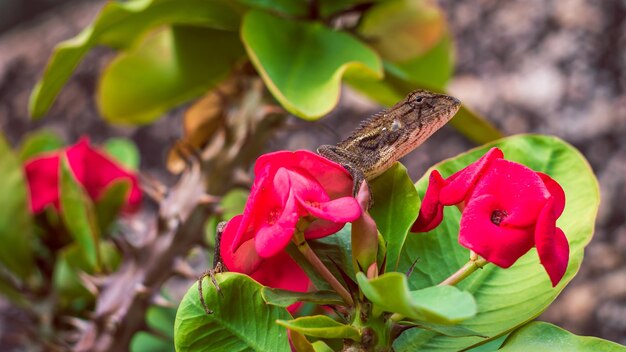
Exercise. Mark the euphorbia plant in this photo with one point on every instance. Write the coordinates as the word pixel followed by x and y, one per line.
pixel 424 296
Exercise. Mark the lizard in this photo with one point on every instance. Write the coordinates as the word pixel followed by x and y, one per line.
pixel 374 147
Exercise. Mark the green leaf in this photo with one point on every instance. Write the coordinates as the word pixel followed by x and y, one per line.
pixel 234 202
pixel 475 127
pixel 241 320
pixel 169 67
pixel 79 217
pixel 110 203
pixel 39 142
pixel 321 326
pixel 437 304
pixel 448 330
pixel 294 8
pixel 16 223
pixel 321 346
pixel 396 205
pixel 284 298
pixel 506 298
pixel 143 341
pixel 401 30
pixel 119 25
pixel 161 320
pixel 540 336
pixel 302 63
pixel 123 151
pixel 330 7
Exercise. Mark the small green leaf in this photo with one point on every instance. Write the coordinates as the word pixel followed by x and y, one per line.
pixel 79 217
pixel 396 205
pixel 284 298
pixel 321 326
pixel 302 63
pixel 241 320
pixel 321 346
pixel 474 126
pixel 110 203
pixel 143 341
pixel 436 304
pixel 119 25
pixel 330 7
pixel 234 202
pixel 161 320
pixel 540 336
pixel 169 67
pixel 506 298
pixel 39 142
pixel 16 223
pixel 123 151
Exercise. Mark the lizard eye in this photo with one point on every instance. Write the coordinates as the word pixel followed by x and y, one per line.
pixel 419 99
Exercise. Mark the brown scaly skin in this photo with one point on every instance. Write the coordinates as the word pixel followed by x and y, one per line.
pixel 391 134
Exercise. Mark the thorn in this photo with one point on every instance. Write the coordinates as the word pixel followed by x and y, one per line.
pixel 161 301
pixel 77 323
pixel 207 199
pixel 89 282
pixel 410 271
pixel 142 289
pixel 182 268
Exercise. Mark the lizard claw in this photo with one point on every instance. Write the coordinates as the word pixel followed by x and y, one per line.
pixel 210 273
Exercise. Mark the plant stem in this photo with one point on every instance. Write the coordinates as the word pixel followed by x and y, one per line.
pixel 472 265
pixel 321 269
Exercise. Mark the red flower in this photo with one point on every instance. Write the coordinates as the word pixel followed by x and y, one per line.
pixel 93 170
pixel 507 209
pixel 289 187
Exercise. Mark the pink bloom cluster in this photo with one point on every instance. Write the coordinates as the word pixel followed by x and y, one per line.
pixel 94 170
pixel 291 190
pixel 507 209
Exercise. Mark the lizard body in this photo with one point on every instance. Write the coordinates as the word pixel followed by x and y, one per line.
pixel 389 135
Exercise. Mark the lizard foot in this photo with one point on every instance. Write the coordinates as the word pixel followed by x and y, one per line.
pixel 210 273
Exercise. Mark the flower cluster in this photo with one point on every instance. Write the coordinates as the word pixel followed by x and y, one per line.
pixel 507 209
pixel 292 191
pixel 94 170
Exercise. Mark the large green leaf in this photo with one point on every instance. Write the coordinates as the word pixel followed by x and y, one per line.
pixel 506 298
pixel 118 25
pixel 284 298
pixel 78 214
pixel 302 63
pixel 16 224
pixel 540 336
pixel 323 327
pixel 396 205
pixel 169 67
pixel 436 304
pixel 241 321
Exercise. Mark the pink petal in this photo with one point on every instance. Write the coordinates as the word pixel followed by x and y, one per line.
pixel 282 272
pixel 461 183
pixel 497 244
pixel 552 245
pixel 321 228
pixel 556 191
pixel 243 260
pixel 519 190
pixel 96 171
pixel 334 178
pixel 42 175
pixel 271 238
pixel 431 210
pixel 344 209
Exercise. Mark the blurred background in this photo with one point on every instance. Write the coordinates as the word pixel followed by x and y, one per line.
pixel 528 66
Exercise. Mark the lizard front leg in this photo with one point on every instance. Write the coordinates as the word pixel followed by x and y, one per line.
pixel 349 161
pixel 218 267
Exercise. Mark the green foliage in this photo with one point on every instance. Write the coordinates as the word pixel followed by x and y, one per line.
pixel 160 320
pixel 283 298
pixel 540 336
pixel 438 304
pixel 321 326
pixel 16 227
pixel 167 68
pixel 396 205
pixel 302 63
pixel 241 320
pixel 108 206
pixel 506 298
pixel 38 142
pixel 77 212
pixel 124 151
pixel 119 25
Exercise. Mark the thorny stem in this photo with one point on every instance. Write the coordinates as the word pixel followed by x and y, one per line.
pixel 321 269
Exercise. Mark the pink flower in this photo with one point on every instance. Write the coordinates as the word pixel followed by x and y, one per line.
pixel 507 209
pixel 291 189
pixel 94 170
